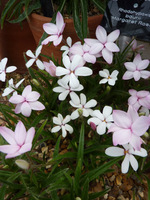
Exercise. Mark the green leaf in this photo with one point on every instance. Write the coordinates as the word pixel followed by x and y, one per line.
pixel 81 144
pixel 27 12
pixel 6 10
pixel 99 5
pixel 38 133
pixel 15 186
pixel 2 192
pixel 79 160
pixel 84 8
pixel 54 195
pixel 37 119
pixel 14 176
pixel 85 190
pixel 56 150
pixel 93 174
pixel 64 156
pixel 76 19
pixel 77 177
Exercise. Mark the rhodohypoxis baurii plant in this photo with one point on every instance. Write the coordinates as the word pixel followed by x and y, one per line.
pixel 74 115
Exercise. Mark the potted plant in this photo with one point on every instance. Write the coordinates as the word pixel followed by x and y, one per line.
pixel 63 126
pixel 11 39
pixel 77 24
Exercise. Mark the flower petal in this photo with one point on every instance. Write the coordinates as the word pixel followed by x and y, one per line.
pixel 30 135
pixel 26 109
pixel 8 135
pixel 83 71
pixel 30 62
pixel 112 47
pixel 101 34
pixel 121 136
pixel 11 69
pixel 125 164
pixel 36 105
pixel 15 99
pixel 133 162
pixel 114 151
pixel 107 55
pixel 20 133
pixel 140 126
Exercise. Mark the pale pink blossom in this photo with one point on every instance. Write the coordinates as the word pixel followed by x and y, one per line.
pixel 12 88
pixel 50 67
pixel 107 77
pixel 66 48
pixel 35 58
pixel 20 141
pixel 62 124
pixel 139 98
pixel 4 70
pixel 128 127
pixel 27 101
pixel 84 52
pixel 54 30
pixel 102 120
pixel 136 69
pixel 83 107
pixel 128 153
pixel 65 89
pixel 104 44
pixel 72 70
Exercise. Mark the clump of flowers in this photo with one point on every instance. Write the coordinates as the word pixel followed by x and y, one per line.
pixel 77 114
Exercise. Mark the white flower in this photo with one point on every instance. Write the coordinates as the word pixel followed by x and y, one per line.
pixel 72 71
pixel 102 120
pixel 128 152
pixel 34 58
pixel 4 70
pixel 66 48
pixel 11 88
pixel 110 78
pixel 65 89
pixel 62 125
pixel 83 107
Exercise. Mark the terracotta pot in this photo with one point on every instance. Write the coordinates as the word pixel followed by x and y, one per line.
pixel 16 39
pixel 36 24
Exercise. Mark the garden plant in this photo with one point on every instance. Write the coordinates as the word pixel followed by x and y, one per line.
pixel 66 125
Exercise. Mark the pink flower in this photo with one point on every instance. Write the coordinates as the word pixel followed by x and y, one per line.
pixel 55 30
pixel 84 51
pixel 27 101
pixel 136 69
pixel 128 127
pixel 50 68
pixel 19 141
pixel 104 44
pixel 138 99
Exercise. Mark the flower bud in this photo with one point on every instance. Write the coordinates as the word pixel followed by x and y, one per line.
pixel 78 198
pixel 108 88
pixel 23 164
pixel 35 82
pixel 93 126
